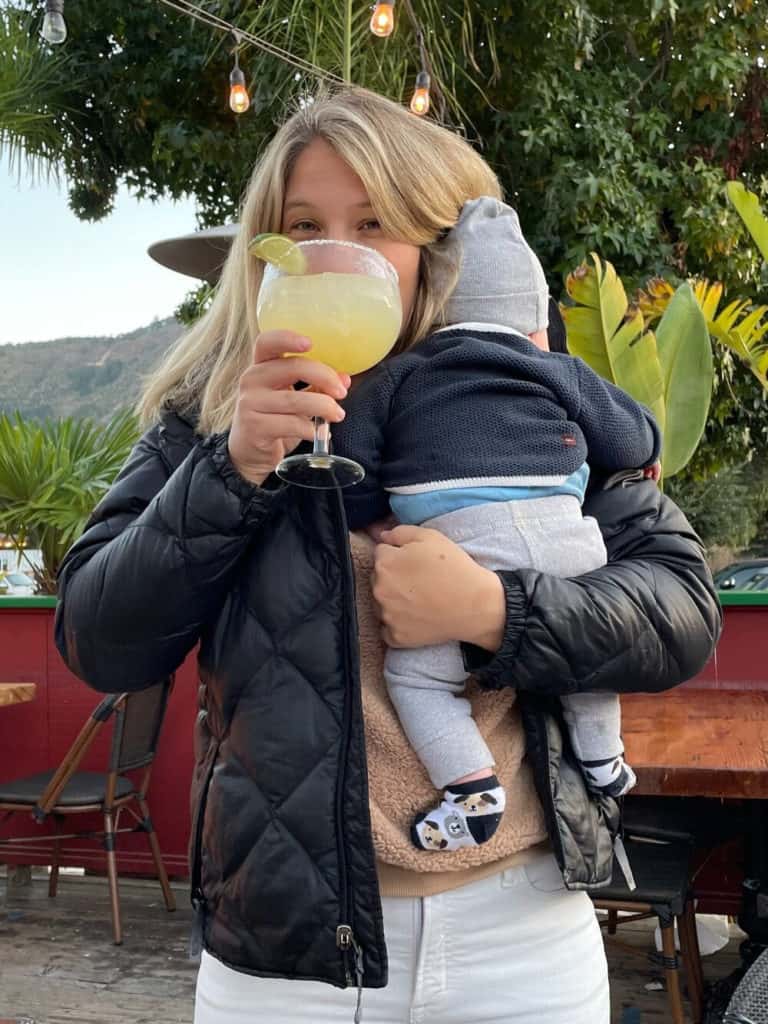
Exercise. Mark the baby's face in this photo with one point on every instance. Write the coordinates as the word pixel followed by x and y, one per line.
pixel 540 339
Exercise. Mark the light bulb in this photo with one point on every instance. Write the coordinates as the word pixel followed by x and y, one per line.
pixel 54 26
pixel 383 20
pixel 420 98
pixel 239 101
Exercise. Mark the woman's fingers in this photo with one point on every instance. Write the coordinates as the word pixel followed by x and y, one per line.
pixel 284 373
pixel 271 416
pixel 376 530
pixel 272 345
pixel 271 427
pixel 430 591
pixel 299 403
pixel 402 535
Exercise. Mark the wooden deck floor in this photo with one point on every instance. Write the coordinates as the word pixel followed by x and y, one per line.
pixel 57 961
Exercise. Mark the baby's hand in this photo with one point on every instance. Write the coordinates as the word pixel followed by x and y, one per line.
pixel 375 530
pixel 653 472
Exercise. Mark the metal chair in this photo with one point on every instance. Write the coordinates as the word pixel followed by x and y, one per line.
pixel 137 721
pixel 749 1003
pixel 662 874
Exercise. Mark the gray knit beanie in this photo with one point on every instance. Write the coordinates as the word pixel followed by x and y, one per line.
pixel 500 279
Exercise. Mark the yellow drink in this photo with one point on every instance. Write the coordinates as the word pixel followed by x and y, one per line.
pixel 352 320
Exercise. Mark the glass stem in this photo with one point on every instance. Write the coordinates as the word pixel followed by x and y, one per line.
pixel 322 436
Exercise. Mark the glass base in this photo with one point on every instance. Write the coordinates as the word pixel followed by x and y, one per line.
pixel 320 472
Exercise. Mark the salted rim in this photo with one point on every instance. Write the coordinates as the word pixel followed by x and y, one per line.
pixel 351 245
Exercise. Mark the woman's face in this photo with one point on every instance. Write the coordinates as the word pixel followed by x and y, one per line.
pixel 324 198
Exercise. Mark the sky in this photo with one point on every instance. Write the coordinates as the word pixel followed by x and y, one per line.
pixel 61 277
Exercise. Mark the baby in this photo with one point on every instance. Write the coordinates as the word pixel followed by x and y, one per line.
pixel 479 434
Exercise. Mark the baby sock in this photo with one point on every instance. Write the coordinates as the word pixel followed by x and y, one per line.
pixel 468 815
pixel 610 775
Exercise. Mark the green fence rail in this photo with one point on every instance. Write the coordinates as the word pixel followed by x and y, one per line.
pixel 728 599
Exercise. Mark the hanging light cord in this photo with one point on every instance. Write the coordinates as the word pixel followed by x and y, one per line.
pixel 214 21
pixel 426 63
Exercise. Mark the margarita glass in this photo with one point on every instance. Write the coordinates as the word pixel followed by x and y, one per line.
pixel 345 298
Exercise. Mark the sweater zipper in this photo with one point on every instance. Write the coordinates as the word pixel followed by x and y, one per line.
pixel 351 951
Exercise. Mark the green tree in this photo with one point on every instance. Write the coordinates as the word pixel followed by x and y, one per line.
pixel 614 127
pixel 52 475
pixel 627 155
pixel 728 508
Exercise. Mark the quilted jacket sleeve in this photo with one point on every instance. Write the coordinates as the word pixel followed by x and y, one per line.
pixel 647 621
pixel 155 562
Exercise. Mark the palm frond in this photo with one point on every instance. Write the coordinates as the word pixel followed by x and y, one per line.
pixel 30 96
pixel 52 476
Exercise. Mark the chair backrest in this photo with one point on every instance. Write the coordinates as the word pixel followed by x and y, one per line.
pixel 138 721
pixel 749 1003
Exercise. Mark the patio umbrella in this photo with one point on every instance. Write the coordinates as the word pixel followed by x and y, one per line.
pixel 201 254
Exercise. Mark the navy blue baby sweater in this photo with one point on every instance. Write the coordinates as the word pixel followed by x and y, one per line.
pixel 484 408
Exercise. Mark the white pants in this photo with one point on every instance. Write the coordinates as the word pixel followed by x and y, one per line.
pixel 515 948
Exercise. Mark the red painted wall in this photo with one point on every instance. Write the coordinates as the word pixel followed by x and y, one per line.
pixel 35 736
pixel 741 658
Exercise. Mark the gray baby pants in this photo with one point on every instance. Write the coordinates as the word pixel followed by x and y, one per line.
pixel 425 684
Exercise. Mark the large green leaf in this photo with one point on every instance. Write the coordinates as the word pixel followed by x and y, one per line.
pixel 685 353
pixel 747 206
pixel 610 339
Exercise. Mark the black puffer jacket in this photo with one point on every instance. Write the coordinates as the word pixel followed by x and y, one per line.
pixel 183 550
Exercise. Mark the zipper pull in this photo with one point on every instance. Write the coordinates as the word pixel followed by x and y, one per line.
pixel 623 861
pixel 345 940
pixel 196 935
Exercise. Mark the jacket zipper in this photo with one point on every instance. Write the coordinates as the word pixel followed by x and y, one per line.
pixel 351 951
pixel 554 830
pixel 619 850
pixel 346 942
pixel 197 896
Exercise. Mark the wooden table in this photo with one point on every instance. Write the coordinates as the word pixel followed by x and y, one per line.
pixel 689 742
pixel 16 693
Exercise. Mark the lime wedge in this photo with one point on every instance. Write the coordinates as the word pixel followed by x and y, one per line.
pixel 280 251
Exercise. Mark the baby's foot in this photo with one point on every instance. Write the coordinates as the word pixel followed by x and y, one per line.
pixel 469 815
pixel 612 776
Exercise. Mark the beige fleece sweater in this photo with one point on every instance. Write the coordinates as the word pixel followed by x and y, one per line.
pixel 399 786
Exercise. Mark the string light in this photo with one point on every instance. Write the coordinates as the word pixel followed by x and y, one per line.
pixel 54 27
pixel 383 19
pixel 214 21
pixel 382 23
pixel 239 100
pixel 420 98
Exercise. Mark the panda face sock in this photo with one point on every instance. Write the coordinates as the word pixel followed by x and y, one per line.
pixel 468 815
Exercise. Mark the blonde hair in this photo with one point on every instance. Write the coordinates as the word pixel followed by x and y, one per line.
pixel 417 175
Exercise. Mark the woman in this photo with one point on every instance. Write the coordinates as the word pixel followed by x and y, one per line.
pixel 197 541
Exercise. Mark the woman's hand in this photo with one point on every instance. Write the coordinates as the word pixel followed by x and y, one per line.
pixel 271 418
pixel 429 591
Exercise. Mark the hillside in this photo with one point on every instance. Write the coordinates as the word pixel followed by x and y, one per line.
pixel 81 376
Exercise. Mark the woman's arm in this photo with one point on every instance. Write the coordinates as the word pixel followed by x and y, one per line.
pixel 162 549
pixel 646 621
pixel 155 563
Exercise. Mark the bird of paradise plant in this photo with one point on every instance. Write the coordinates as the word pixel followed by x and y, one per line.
pixel 658 348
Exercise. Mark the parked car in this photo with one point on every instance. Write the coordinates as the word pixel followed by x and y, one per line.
pixel 16 584
pixel 741 575
pixel 762 585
